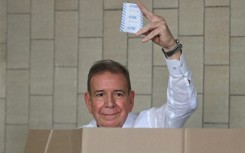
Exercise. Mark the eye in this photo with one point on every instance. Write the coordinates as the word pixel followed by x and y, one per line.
pixel 101 94
pixel 119 94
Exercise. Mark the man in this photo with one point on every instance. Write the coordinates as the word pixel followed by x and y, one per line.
pixel 110 99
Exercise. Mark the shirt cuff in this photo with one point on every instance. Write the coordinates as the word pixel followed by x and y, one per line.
pixel 178 67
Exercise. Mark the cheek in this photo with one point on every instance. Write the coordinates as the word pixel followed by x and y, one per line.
pixel 97 106
pixel 124 105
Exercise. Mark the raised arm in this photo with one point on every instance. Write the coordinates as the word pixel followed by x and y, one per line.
pixel 181 93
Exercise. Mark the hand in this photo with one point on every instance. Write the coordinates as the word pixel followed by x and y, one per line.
pixel 157 30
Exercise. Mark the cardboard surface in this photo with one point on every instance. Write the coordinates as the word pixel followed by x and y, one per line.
pixel 54 141
pixel 215 141
pixel 131 140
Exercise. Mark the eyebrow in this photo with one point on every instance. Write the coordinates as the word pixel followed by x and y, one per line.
pixel 96 91
pixel 118 90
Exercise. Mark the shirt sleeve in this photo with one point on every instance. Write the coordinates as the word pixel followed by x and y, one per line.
pixel 181 94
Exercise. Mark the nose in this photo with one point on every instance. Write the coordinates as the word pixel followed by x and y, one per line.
pixel 110 103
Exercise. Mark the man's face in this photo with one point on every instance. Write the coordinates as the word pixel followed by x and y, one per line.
pixel 109 100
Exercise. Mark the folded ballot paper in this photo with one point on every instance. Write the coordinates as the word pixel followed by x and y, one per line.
pixel 132 18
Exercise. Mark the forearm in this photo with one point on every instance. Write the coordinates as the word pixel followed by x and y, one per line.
pixel 181 94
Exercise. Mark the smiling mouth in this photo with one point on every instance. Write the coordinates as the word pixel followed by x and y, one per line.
pixel 110 116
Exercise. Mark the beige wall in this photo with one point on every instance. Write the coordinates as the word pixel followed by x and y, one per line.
pixel 47 47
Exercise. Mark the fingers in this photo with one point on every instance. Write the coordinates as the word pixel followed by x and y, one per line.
pixel 148 28
pixel 157 30
pixel 151 35
pixel 144 30
pixel 144 10
pixel 150 31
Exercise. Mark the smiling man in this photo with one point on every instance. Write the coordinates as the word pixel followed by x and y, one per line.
pixel 110 99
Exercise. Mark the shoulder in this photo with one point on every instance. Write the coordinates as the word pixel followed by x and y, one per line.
pixel 91 124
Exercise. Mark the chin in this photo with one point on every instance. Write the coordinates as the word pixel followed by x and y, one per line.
pixel 111 125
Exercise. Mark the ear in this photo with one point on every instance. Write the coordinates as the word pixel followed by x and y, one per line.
pixel 131 100
pixel 87 99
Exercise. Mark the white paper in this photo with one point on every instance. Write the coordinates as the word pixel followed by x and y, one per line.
pixel 132 18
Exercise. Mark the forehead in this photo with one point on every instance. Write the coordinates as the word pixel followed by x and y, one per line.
pixel 99 77
pixel 108 79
